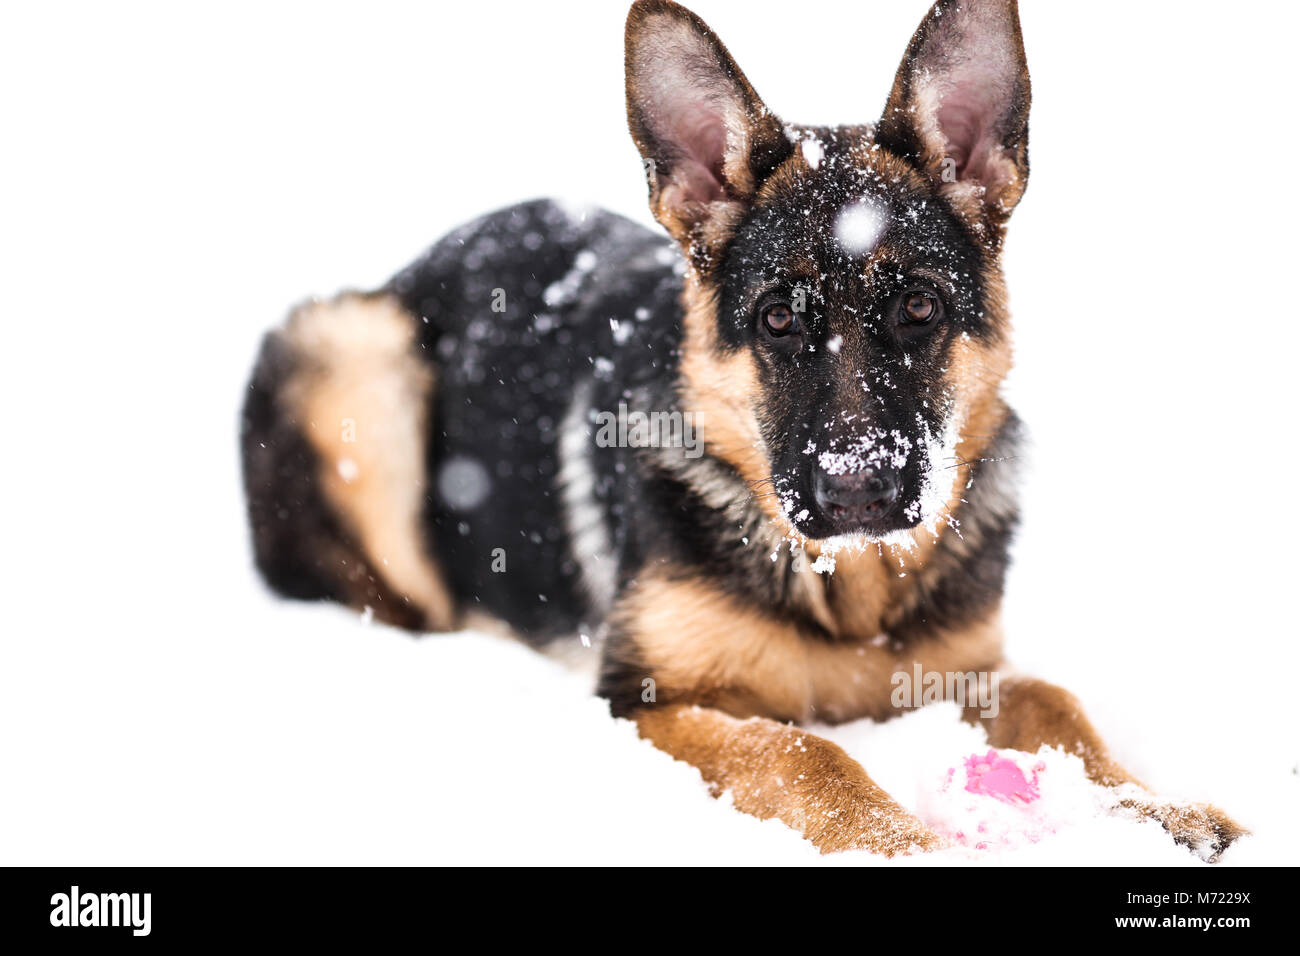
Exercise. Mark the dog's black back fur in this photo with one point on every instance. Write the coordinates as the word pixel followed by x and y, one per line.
pixel 587 297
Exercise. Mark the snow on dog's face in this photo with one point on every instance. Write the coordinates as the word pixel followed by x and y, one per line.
pixel 845 323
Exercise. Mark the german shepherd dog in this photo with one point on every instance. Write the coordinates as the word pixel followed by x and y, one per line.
pixel 765 461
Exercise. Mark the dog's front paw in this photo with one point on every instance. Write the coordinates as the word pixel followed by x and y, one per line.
pixel 1201 827
pixel 1204 829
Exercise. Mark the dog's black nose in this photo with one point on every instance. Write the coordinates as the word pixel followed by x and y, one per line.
pixel 856 495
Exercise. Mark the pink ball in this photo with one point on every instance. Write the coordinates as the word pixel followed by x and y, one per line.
pixel 992 801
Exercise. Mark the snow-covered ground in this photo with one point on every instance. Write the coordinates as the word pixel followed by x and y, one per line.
pixel 176 178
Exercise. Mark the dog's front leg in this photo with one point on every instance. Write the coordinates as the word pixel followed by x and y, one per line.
pixel 1032 713
pixel 777 770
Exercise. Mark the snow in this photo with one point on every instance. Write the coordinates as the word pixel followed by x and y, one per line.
pixel 463 483
pixel 860 225
pixel 871 449
pixel 813 151
pixel 560 291
pixel 622 331
pixel 158 706
pixel 311 739
pixel 349 470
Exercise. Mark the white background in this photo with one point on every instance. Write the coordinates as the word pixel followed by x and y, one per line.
pixel 175 176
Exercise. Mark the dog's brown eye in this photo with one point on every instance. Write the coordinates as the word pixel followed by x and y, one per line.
pixel 919 308
pixel 779 319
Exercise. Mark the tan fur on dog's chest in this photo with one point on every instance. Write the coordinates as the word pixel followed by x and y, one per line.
pixel 704 647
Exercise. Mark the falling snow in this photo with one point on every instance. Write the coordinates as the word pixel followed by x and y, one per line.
pixel 860 226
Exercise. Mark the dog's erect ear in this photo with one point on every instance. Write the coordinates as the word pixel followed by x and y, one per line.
pixel 706 139
pixel 959 108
